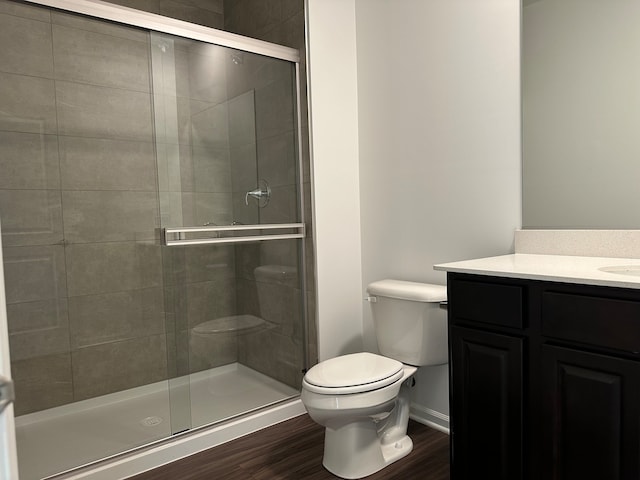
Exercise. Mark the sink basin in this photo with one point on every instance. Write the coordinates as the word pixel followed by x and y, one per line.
pixel 633 270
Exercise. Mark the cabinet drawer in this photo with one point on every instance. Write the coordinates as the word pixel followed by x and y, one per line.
pixel 491 303
pixel 600 321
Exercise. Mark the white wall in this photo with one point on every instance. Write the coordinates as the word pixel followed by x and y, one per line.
pixel 438 127
pixel 336 197
pixel 439 139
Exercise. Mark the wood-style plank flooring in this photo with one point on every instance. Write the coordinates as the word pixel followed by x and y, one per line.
pixel 293 450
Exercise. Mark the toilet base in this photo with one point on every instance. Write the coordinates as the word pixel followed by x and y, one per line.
pixel 356 451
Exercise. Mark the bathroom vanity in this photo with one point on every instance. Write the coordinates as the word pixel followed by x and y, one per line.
pixel 544 367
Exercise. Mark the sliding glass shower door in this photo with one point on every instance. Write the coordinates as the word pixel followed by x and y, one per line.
pixel 231 227
pixel 152 231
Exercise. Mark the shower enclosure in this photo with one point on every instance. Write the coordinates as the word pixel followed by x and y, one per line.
pixel 152 227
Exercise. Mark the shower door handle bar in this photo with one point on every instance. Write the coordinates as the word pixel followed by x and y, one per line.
pixel 251 238
pixel 233 228
pixel 176 236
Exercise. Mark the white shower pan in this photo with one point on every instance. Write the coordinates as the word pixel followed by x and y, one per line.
pixel 62 438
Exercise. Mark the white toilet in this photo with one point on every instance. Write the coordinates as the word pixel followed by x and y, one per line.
pixel 363 399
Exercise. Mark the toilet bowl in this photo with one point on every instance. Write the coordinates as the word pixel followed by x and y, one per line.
pixel 363 399
pixel 354 406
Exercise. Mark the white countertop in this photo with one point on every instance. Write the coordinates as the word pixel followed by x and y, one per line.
pixel 554 268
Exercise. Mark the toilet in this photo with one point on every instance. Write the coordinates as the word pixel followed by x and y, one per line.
pixel 362 399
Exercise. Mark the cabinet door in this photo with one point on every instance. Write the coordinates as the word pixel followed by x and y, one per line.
pixel 592 415
pixel 486 405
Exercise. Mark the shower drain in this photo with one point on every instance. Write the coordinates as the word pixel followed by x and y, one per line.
pixel 151 421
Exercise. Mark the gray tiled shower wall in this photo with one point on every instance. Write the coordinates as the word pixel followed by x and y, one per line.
pixel 79 207
pixel 78 201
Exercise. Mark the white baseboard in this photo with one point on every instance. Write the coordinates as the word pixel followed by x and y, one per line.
pixel 430 418
pixel 138 462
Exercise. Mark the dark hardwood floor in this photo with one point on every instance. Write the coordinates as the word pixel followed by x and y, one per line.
pixel 293 450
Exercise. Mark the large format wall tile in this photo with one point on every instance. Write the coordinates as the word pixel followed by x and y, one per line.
pixel 210 300
pixel 116 366
pixel 256 72
pixel 283 206
pixel 25 11
pixel 101 164
pixel 202 12
pixel 210 127
pixel 170 65
pixel 26 46
pixel 206 74
pixel 209 262
pixel 172 119
pixel 243 213
pixel 109 216
pixel 216 6
pixel 211 351
pixel 278 162
pixel 276 355
pixel 264 16
pixel 29 161
pixel 98 26
pixel 201 208
pixel 211 169
pixel 242 123
pixel 185 10
pixel 152 6
pixel 247 259
pixel 244 167
pixel 34 273
pixel 89 57
pixel 94 268
pixel 102 112
pixel 28 104
pixel 38 328
pixel 171 210
pixel 31 217
pixel 281 252
pixel 198 263
pixel 280 305
pixel 97 319
pixel 274 109
pixel 42 382
pixel 175 167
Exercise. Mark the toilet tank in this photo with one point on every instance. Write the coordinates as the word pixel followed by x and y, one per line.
pixel 410 324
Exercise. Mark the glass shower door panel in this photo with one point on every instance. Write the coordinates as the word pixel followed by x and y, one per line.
pixel 83 270
pixel 229 208
pixel 247 350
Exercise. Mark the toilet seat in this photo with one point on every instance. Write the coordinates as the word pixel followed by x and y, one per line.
pixel 354 373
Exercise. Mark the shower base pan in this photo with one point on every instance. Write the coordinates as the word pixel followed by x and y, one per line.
pixel 62 438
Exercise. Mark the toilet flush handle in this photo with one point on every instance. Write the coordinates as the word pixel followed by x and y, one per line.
pixel 371 298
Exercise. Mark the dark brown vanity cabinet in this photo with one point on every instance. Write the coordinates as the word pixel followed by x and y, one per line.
pixel 544 380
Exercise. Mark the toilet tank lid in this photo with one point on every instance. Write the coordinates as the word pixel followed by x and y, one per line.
pixel 403 290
